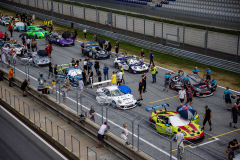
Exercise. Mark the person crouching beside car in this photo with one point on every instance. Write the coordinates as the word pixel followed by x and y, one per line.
pixel 213 83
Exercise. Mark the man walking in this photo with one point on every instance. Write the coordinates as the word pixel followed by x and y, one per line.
pixel 10 77
pixel 96 66
pixel 10 27
pixel 227 96
pixel 105 72
pixel 101 131
pixel 151 58
pixel 144 78
pixel 180 145
pixel 207 117
pixel 234 116
pixel 154 72
pixel 167 78
pixel 140 89
pixel 81 86
pixel 189 94
pixel 182 95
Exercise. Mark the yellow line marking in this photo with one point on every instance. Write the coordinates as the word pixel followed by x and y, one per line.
pixel 42 129
pixel 21 113
pixel 31 121
pixel 54 138
pixel 163 99
pixel 68 149
pixel 225 133
pixel 11 106
pixel 184 147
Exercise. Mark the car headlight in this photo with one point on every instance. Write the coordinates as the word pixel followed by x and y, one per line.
pixel 119 101
pixel 199 90
pixel 184 134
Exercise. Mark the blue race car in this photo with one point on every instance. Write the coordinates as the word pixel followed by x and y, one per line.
pixel 58 39
pixel 95 51
pixel 72 73
pixel 19 26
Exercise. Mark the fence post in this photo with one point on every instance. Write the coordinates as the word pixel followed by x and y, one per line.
pixel 72 12
pixel 24 109
pixel 144 26
pixel 18 103
pixel 96 17
pixel 58 7
pixel 133 25
pixel 59 92
pixel 91 150
pixel 46 125
pixel 34 116
pixel 154 30
pixel 19 2
pixel 126 24
pixel 133 132
pixel 183 34
pixel 138 132
pixel 83 13
pixel 115 21
pixel 43 5
pixel 64 135
pixel 162 31
pixel 52 7
pixel 111 19
pixel 27 3
pixel 206 40
pixel 171 146
pixel 47 6
pixel 78 144
pixel 237 48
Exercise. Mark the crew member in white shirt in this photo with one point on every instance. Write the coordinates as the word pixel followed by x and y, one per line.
pixel 85 33
pixel 182 95
pixel 120 75
pixel 124 136
pixel 101 131
pixel 125 129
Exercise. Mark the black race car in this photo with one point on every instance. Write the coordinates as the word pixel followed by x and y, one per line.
pixel 199 87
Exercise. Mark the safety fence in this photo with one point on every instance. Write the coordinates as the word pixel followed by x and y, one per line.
pixel 201 41
pixel 142 134
pixel 43 122
pixel 196 57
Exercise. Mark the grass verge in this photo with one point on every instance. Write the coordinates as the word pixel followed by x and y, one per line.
pixel 223 77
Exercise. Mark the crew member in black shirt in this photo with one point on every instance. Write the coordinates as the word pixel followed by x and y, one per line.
pixel 84 76
pixel 96 66
pixel 77 62
pixel 140 89
pixel 234 115
pixel 144 77
pixel 233 145
pixel 142 55
pixel 82 47
pixel 207 117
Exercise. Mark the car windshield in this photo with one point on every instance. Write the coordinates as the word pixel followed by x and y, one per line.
pixel 177 120
pixel 97 48
pixel 17 45
pixel 116 92
pixel 39 30
pixel 20 24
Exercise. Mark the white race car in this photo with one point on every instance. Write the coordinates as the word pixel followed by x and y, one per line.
pixel 5 21
pixel 130 63
pixel 16 47
pixel 112 95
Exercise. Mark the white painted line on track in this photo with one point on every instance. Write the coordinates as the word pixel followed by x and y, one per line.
pixel 145 141
pixel 215 139
pixel 34 133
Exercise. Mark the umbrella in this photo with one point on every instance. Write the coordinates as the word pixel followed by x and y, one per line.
pixel 186 111
pixel 1 34
pixel 66 34
pixel 23 35
pixel 30 37
pixel 100 41
pixel 42 53
pixel 125 89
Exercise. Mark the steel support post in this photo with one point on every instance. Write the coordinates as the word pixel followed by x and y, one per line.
pixel 126 24
pixel 52 7
pixel 183 35
pixel 206 40
pixel 96 17
pixel 144 27
pixel 162 32
pixel 237 48
pixel 133 25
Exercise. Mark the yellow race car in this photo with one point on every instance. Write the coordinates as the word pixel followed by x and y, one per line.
pixel 168 122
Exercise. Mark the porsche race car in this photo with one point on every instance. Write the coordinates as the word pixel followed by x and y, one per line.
pixel 168 122
pixel 199 87
pixel 112 95
pixel 130 63
pixel 37 32
pixel 33 57
pixel 16 47
pixel 59 40
pixel 19 26
pixel 5 21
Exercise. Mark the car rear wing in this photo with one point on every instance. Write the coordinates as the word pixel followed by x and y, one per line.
pixel 102 82
pixel 155 107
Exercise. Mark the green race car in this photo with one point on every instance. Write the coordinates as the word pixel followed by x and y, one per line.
pixel 37 32
pixel 168 122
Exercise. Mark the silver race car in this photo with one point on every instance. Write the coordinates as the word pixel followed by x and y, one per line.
pixel 16 47
pixel 35 58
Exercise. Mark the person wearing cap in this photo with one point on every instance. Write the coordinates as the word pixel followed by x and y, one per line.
pixel 186 81
pixel 209 72
pixel 167 78
pixel 101 132
pixel 195 71
pixel 180 145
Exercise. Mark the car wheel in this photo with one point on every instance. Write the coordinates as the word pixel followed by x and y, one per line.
pixel 153 124
pixel 73 44
pixel 108 56
pixel 130 70
pixel 18 30
pixel 116 65
pixel 114 104
pixel 172 85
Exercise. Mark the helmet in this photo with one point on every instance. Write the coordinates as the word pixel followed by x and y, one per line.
pixel 15 41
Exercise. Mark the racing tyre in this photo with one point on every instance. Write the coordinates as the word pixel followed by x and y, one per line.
pixel 108 56
pixel 114 104
pixel 18 30
pixel 130 70
pixel 73 44
pixel 153 124
pixel 116 65
pixel 172 85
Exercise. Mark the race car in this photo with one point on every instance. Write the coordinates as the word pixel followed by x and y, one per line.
pixel 5 21
pixel 95 51
pixel 199 87
pixel 130 63
pixel 168 122
pixel 72 73
pixel 16 47
pixel 118 99
pixel 33 57
pixel 37 32
pixel 19 26
pixel 59 40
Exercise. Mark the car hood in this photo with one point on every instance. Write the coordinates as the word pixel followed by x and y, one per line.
pixel 69 40
pixel 127 98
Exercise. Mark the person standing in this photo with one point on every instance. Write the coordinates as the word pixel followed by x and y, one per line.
pixel 10 27
pixel 34 45
pixel 140 89
pixel 114 78
pixel 99 75
pixel 25 28
pixel 9 59
pixel 117 47
pixel 207 117
pixel 77 62
pixel 85 33
pixel 64 94
pixel 73 62
pixel 96 66
pixel 84 75
pixel 91 77
pixel 23 40
pixel 10 77
pixel 105 72
pixel 151 58
pixel 24 86
pixel 195 71
pixel 54 86
pixel 47 49
pixel 92 113
pixel 50 50
pixel 227 96
pixel 82 47
pixel 33 18
pixel 123 81
pixel 209 72
pixel 154 72
pixel 101 131
pixel 144 78
pixel 55 71
pixel 46 38
pixel 234 115
pixel 142 55
pixel 120 75
pixel 233 145
pixel 75 33
pixel 180 145
pixel 182 95
pixel 50 66
pixel 81 86
pixel 124 135
pixel 85 63
pixel 167 78
pixel 189 94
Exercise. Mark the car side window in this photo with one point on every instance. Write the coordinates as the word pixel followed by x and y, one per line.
pixel 107 93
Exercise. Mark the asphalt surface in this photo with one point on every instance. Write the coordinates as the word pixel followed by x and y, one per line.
pixel 150 142
pixel 18 143
pixel 187 47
